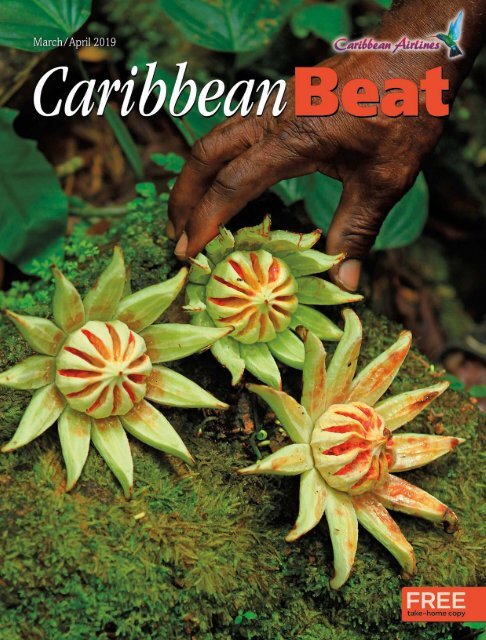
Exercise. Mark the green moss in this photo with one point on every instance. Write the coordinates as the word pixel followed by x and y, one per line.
pixel 82 566
pixel 87 252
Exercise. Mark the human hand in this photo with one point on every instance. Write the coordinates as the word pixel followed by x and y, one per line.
pixel 377 159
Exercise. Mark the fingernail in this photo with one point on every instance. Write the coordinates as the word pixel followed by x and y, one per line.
pixel 348 274
pixel 181 246
pixel 170 230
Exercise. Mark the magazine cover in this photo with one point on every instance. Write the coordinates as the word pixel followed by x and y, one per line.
pixel 242 319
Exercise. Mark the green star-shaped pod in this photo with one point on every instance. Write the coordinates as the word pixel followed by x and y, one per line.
pixel 262 283
pixel 346 452
pixel 99 362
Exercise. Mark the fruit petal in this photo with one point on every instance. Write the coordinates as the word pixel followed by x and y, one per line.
pixel 167 342
pixel 413 450
pixel 150 426
pixel 67 306
pixel 312 502
pixel 200 269
pixel 226 350
pixel 43 410
pixel 287 348
pixel 372 382
pixel 314 376
pixel 288 461
pixel 102 299
pixel 283 243
pixel 74 433
pixel 172 389
pixel 343 364
pixel 373 516
pixel 195 295
pixel 399 495
pixel 111 442
pixel 314 290
pixel 343 528
pixel 32 373
pixel 41 334
pixel 220 246
pixel 307 262
pixel 400 409
pixel 253 237
pixel 259 361
pixel 294 418
pixel 316 322
pixel 141 309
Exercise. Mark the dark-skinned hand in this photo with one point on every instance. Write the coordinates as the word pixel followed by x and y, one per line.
pixel 377 159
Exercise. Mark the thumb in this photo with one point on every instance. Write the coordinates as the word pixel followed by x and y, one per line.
pixel 354 228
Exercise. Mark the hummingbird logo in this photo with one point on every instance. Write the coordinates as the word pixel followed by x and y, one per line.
pixel 452 38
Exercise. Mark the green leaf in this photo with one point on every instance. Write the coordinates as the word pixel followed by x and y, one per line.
pixel 386 4
pixel 249 615
pixel 229 25
pixel 33 207
pixel 290 191
pixel 23 20
pixel 402 226
pixel 125 140
pixel 478 391
pixel 456 383
pixel 170 161
pixel 406 220
pixel 146 189
pixel 326 21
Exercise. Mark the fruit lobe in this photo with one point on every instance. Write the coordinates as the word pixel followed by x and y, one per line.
pixel 102 369
pixel 254 292
pixel 352 448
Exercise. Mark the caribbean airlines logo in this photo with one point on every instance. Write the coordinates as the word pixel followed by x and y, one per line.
pixel 452 37
pixel 449 40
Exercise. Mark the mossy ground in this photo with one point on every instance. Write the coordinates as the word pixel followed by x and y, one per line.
pixel 82 566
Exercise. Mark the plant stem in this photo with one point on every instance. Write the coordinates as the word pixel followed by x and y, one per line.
pixel 98 212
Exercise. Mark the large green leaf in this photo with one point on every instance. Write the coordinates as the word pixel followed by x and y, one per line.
pixel 406 220
pixel 229 25
pixel 290 191
pixel 321 196
pixel 23 20
pixel 33 207
pixel 326 21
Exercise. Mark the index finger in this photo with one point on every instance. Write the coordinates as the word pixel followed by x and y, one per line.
pixel 242 180
pixel 208 156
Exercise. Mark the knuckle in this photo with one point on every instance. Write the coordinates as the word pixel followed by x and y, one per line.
pixel 391 181
pixel 224 186
pixel 200 151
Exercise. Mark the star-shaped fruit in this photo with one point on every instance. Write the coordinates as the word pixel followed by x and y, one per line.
pixel 99 362
pixel 261 283
pixel 345 450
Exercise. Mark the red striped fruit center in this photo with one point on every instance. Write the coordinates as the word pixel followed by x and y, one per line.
pixel 352 448
pixel 254 292
pixel 102 369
